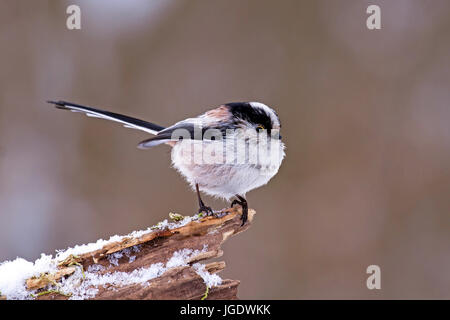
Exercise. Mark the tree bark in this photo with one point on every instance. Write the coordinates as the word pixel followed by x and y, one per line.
pixel 205 235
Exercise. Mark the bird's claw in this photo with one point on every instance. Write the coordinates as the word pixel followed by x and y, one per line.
pixel 207 210
pixel 243 203
pixel 235 201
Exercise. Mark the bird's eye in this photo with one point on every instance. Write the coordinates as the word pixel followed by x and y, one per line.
pixel 260 127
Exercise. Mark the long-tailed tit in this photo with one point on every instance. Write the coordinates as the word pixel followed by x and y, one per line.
pixel 224 152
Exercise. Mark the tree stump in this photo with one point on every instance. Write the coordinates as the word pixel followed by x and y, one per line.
pixel 161 263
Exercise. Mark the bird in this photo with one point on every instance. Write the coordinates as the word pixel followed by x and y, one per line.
pixel 214 151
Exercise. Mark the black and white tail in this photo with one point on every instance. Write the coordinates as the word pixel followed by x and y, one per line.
pixel 128 122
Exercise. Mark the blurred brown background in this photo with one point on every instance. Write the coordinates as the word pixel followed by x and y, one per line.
pixel 365 119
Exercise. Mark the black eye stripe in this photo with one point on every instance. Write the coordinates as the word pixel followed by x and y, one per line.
pixel 244 111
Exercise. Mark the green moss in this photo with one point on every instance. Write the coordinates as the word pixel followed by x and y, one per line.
pixel 206 293
pixel 72 260
pixel 175 216
pixel 42 293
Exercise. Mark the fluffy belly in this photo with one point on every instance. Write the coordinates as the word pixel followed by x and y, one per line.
pixel 223 180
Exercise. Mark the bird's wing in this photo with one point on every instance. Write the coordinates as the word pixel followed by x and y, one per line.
pixel 187 129
pixel 128 122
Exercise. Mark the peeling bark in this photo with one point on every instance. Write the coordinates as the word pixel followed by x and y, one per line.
pixel 183 282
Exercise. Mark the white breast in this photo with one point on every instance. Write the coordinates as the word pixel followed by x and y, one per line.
pixel 221 178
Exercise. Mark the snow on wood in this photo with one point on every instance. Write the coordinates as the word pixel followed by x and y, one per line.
pixel 161 262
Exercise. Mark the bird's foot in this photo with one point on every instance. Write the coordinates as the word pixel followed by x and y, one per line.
pixel 244 216
pixel 235 201
pixel 207 210
pixel 243 203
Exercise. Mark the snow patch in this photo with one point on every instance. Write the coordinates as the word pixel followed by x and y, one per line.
pixel 13 274
pixel 211 280
pixel 87 287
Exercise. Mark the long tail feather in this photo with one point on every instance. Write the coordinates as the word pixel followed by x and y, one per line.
pixel 127 121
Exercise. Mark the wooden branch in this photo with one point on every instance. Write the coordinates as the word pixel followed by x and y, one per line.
pixel 115 271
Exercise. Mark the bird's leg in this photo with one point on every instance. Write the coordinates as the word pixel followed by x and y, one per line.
pixel 202 207
pixel 235 201
pixel 243 203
